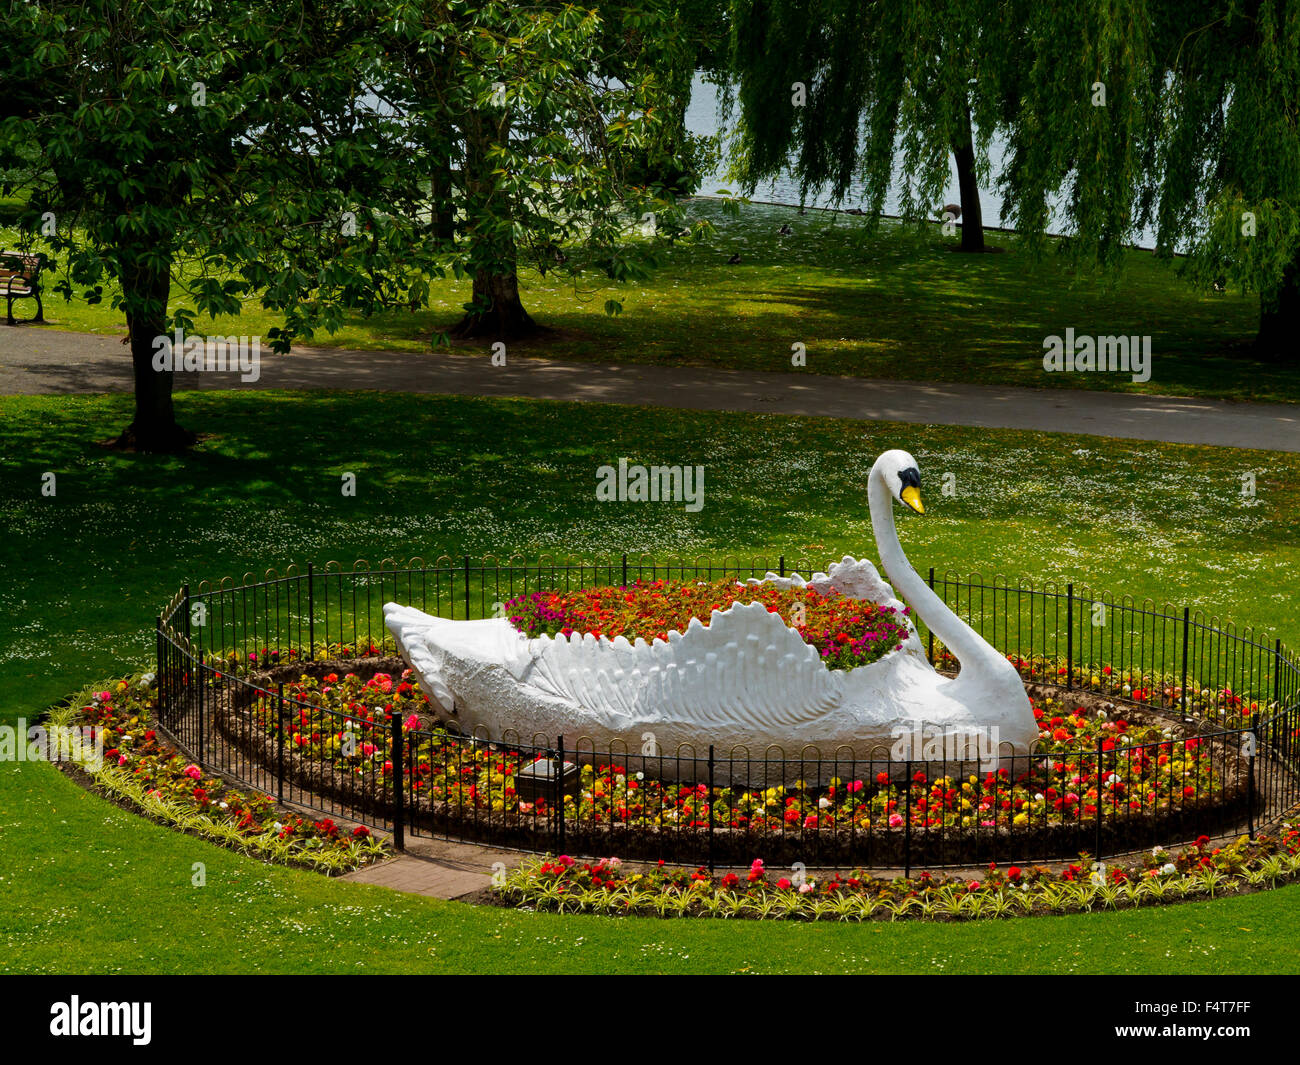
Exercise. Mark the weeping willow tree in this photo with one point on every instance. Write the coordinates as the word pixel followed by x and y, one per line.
pixel 831 90
pixel 1223 154
pixel 1181 117
pixel 1178 115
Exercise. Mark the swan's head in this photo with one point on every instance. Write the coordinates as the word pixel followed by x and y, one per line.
pixel 901 476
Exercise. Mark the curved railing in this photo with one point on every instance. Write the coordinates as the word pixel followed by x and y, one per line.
pixel 1231 697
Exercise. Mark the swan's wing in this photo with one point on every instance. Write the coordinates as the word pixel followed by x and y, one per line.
pixel 746 671
pixel 856 578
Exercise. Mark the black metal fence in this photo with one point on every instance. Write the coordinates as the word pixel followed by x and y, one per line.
pixel 1228 762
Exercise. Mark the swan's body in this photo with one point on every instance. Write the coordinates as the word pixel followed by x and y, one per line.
pixel 744 683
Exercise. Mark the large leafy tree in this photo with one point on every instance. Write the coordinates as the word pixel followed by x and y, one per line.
pixel 216 147
pixel 318 158
pixel 535 117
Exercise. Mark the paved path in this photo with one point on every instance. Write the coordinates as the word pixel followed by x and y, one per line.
pixel 438 868
pixel 45 361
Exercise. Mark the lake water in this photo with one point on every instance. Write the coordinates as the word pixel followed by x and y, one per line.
pixel 702 117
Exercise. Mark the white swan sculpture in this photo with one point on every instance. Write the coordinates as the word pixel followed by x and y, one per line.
pixel 744 682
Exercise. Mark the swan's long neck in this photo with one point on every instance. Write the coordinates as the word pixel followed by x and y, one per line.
pixel 963 641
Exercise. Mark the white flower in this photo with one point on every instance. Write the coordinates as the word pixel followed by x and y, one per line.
pixel 824 803
pixel 1169 867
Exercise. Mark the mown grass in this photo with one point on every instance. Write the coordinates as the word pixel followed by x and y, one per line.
pixel 896 305
pixel 88 888
pixel 87 569
pixel 85 887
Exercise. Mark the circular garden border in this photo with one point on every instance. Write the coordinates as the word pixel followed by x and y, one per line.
pixel 227 649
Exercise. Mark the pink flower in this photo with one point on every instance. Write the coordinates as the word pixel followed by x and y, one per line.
pixel 895 820
pixel 566 861
pixel 193 772
pixel 783 883
pixel 805 887
pixel 412 722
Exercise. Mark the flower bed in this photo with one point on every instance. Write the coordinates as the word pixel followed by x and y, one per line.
pixel 1141 774
pixel 612 887
pixel 141 768
pixel 846 632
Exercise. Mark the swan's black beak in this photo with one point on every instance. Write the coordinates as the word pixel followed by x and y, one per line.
pixel 911 493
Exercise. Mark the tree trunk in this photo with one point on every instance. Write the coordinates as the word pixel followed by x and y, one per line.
pixel 1278 339
pixel 154 427
pixel 972 216
pixel 444 213
pixel 502 316
pixel 496 311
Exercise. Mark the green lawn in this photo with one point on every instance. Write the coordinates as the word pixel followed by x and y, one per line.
pixel 97 890
pixel 85 887
pixel 894 306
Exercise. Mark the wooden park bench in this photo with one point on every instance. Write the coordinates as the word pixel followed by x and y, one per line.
pixel 20 279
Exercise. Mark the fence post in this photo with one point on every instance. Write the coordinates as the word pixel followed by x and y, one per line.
pixel 467 587
pixel 1099 793
pixel 1277 677
pixel 931 630
pixel 279 746
pixel 1250 778
pixel 558 777
pixel 399 785
pixel 624 569
pixel 782 566
pixel 202 732
pixel 202 709
pixel 160 674
pixel 1069 636
pixel 710 809
pixel 311 612
pixel 1187 630
pixel 907 823
pixel 185 591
